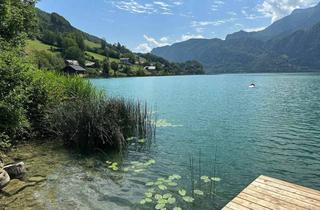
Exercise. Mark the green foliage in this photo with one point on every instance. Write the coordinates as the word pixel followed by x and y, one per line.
pixel 105 67
pixel 17 20
pixel 75 53
pixel 46 60
pixel 114 66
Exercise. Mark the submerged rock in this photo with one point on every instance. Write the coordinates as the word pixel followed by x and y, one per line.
pixel 15 170
pixel 37 179
pixel 16 186
pixel 4 178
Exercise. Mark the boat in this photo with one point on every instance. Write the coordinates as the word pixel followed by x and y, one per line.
pixel 252 85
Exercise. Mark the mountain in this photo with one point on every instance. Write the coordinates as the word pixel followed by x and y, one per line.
pixel 299 19
pixel 290 44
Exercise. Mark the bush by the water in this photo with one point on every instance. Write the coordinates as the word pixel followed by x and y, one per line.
pixel 44 103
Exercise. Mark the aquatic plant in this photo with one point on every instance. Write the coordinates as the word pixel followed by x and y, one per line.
pixel 135 166
pixel 164 123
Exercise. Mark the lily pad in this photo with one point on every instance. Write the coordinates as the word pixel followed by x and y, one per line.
pixel 162 187
pixel 143 201
pixel 158 196
pixel 149 183
pixel 167 195
pixel 188 199
pixel 198 192
pixel 160 206
pixel 148 194
pixel 171 200
pixel 216 179
pixel 182 192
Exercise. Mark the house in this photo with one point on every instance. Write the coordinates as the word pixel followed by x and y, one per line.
pixel 125 61
pixel 72 62
pixel 150 68
pixel 90 64
pixel 74 69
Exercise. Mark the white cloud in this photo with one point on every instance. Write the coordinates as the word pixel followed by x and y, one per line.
pixel 277 9
pixel 190 36
pixel 151 43
pixel 254 29
pixel 200 26
pixel 143 48
pixel 155 7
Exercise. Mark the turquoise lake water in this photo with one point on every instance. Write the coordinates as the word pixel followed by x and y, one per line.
pixel 239 132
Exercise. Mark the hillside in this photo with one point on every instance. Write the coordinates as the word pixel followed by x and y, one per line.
pixel 289 45
pixel 57 40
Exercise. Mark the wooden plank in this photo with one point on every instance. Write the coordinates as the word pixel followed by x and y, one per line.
pixel 284 183
pixel 307 196
pixel 235 206
pixel 249 204
pixel 287 193
pixel 268 193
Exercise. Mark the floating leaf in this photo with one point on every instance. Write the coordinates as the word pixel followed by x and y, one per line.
pixel 177 208
pixel 138 170
pixel 143 201
pixel 126 169
pixel 188 199
pixel 131 138
pixel 198 192
pixel 171 200
pixel 176 176
pixel 148 194
pixel 141 141
pixel 148 200
pixel 149 183
pixel 167 195
pixel 160 206
pixel 182 192
pixel 162 187
pixel 216 179
pixel 158 196
pixel 172 184
pixel 108 162
pixel 206 179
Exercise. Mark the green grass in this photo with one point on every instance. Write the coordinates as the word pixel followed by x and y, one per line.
pixel 33 45
pixel 96 56
pixel 91 44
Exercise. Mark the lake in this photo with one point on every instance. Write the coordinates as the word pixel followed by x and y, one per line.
pixel 273 129
pixel 208 126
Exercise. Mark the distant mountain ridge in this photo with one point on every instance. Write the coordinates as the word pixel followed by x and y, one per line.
pixel 291 44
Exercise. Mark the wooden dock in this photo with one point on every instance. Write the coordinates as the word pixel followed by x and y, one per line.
pixel 269 193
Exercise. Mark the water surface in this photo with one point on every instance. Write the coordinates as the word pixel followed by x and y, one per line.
pixel 233 132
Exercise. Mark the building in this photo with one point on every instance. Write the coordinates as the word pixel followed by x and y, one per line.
pixel 72 62
pixel 74 69
pixel 125 61
pixel 90 64
pixel 150 67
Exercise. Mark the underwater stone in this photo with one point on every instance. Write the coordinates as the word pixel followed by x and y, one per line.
pixel 37 179
pixel 4 178
pixel 15 170
pixel 16 186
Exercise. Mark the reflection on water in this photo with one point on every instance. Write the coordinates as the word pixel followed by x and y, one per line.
pixel 230 132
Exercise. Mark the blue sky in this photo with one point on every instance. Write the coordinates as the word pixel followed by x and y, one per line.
pixel 143 24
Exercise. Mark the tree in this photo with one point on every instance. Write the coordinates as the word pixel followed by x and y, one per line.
pixel 75 53
pixel 114 67
pixel 103 44
pixel 105 67
pixel 49 37
pixel 80 41
pixel 17 21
